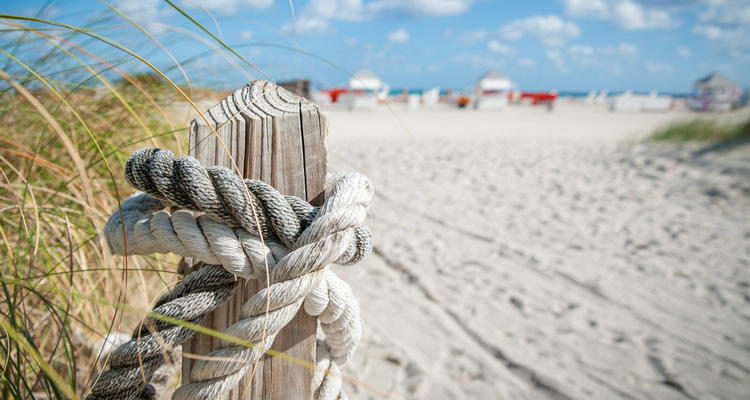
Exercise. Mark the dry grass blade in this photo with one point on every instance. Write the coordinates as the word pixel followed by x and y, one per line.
pixel 69 146
pixel 221 42
pixel 158 43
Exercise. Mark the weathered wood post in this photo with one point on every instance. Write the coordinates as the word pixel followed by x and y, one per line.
pixel 280 138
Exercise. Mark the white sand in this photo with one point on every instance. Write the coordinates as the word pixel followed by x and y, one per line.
pixel 526 254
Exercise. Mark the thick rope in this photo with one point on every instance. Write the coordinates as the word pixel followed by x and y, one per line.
pixel 333 233
pixel 294 277
pixel 220 193
pixel 146 354
pixel 151 231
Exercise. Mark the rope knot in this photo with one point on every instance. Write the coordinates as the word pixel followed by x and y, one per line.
pixel 298 243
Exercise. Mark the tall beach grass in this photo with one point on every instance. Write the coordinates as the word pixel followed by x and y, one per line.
pixel 70 115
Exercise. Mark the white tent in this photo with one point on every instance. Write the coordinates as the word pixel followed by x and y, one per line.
pixel 637 102
pixel 365 80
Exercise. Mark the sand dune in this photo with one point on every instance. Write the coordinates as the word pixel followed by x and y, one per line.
pixel 538 255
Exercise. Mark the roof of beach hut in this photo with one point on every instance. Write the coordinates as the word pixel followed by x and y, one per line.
pixel 494 81
pixel 365 80
pixel 717 81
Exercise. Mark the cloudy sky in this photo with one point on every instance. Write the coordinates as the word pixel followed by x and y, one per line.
pixel 554 44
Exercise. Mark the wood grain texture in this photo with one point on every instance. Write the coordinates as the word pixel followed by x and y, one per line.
pixel 277 137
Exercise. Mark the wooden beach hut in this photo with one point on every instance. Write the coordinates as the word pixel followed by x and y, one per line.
pixel 363 91
pixel 365 80
pixel 715 92
pixel 492 91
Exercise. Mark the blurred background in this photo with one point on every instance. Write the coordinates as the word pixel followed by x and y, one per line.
pixel 562 186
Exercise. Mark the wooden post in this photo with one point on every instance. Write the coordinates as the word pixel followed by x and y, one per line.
pixel 280 138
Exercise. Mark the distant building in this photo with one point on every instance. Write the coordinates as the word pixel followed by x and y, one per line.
pixel 365 80
pixel 492 91
pixel 493 81
pixel 715 92
pixel 362 93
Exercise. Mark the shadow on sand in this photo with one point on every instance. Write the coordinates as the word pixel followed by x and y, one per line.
pixel 722 146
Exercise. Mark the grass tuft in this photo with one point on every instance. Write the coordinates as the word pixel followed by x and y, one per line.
pixel 71 114
pixel 703 130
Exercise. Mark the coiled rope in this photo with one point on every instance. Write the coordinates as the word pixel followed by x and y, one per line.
pixel 300 241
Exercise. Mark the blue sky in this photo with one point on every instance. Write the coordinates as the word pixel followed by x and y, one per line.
pixel 558 44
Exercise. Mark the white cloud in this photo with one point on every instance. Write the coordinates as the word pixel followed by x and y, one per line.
pixel 350 10
pixel 658 67
pixel 727 24
pixel 49 12
pixel 476 61
pixel 630 14
pixel 435 67
pixel 357 10
pixel 527 62
pixel 246 35
pixel 715 32
pixel 586 8
pixel 499 48
pixel 608 58
pixel 417 7
pixel 557 58
pixel 623 50
pixel 626 51
pixel 684 52
pixel 307 25
pixel 322 11
pixel 581 50
pixel 550 30
pixel 144 11
pixel 467 38
pixel 726 12
pixel 398 36
pixel 225 6
pixel 740 55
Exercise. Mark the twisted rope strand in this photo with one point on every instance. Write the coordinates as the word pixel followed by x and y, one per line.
pixel 191 299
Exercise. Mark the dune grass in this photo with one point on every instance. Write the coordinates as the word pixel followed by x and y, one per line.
pixel 703 130
pixel 70 116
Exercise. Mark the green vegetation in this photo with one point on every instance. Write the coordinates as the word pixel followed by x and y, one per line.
pixel 703 130
pixel 71 114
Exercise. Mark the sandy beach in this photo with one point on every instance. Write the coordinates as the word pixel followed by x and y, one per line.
pixel 535 255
